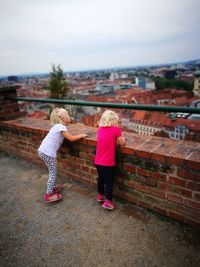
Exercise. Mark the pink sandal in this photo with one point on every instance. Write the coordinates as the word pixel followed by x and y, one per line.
pixel 57 189
pixel 50 198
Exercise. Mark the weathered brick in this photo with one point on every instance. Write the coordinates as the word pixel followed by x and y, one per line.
pixel 157 193
pixel 193 164
pixel 128 150
pixel 188 174
pixel 163 186
pixel 91 156
pixel 159 176
pixel 192 204
pixel 137 194
pixel 186 193
pixel 130 198
pixel 93 171
pixel 176 181
pixel 130 183
pixel 142 154
pixel 84 168
pixel 188 212
pixel 152 200
pixel 176 161
pixel 144 204
pixel 134 160
pixel 147 181
pixel 159 157
pixel 196 196
pixel 91 142
pixel 143 172
pixel 175 198
pixel 176 216
pixel 159 210
pixel 136 185
pixel 83 155
pixel 193 186
pixel 129 167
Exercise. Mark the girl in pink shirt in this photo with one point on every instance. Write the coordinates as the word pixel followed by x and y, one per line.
pixel 109 134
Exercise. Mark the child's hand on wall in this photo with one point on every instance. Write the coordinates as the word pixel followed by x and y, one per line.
pixel 121 141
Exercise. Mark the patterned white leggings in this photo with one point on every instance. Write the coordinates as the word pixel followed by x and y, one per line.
pixel 51 164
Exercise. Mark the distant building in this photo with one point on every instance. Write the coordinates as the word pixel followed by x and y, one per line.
pixel 13 79
pixel 145 83
pixel 141 127
pixel 166 101
pixel 114 76
pixel 194 117
pixel 177 132
pixel 180 66
pixel 196 89
pixel 170 74
pixel 150 84
pixel 195 103
pixel 125 86
pixel 105 88
pixel 124 76
pixel 141 81
pixel 145 128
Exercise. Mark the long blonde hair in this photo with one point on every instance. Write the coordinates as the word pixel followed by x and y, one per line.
pixel 55 116
pixel 108 118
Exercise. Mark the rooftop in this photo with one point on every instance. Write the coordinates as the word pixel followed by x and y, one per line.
pixel 77 231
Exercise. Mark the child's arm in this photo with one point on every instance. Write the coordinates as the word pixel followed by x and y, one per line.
pixel 73 138
pixel 121 141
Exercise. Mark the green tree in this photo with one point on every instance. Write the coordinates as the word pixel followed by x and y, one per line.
pixel 162 83
pixel 58 85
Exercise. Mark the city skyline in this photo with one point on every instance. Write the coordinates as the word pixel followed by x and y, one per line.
pixel 94 34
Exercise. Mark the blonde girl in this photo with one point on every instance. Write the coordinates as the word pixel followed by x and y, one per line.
pixel 109 134
pixel 47 151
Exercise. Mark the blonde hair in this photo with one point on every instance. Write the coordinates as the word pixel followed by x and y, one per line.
pixel 55 116
pixel 109 118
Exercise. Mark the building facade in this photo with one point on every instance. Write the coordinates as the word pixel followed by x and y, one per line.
pixel 196 89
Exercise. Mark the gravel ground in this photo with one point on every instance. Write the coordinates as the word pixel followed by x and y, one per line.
pixel 77 231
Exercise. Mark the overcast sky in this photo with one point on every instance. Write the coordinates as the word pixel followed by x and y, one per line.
pixel 92 34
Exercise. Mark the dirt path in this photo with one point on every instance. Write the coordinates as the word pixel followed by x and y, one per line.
pixel 77 231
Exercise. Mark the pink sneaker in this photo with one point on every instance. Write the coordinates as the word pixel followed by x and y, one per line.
pixel 50 198
pixel 109 205
pixel 100 198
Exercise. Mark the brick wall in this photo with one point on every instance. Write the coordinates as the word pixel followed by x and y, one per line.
pixel 155 173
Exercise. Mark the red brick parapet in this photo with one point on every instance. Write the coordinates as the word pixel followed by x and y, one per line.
pixel 9 109
pixel 155 173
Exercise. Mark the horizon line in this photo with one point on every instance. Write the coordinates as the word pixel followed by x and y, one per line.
pixel 100 69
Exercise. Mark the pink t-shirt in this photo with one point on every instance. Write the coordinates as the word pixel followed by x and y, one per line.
pixel 106 145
